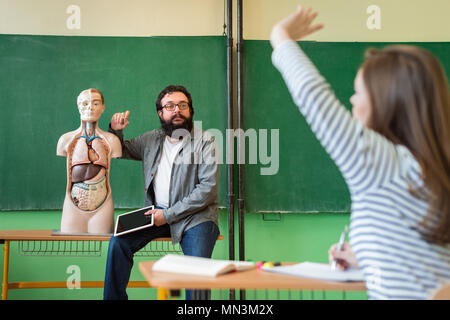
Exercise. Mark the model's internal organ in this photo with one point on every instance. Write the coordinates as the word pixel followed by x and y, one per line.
pixel 89 165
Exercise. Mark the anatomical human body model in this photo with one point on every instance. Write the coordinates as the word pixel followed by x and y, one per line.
pixel 88 204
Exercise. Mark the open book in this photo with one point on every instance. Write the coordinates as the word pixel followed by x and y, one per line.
pixel 199 266
pixel 320 271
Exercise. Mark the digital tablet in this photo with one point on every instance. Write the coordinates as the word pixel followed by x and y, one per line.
pixel 133 221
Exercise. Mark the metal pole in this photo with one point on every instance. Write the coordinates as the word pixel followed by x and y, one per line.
pixel 240 49
pixel 230 144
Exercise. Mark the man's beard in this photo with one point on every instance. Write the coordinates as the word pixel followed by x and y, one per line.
pixel 169 127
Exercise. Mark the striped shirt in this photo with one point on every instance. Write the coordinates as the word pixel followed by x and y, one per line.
pixel 384 228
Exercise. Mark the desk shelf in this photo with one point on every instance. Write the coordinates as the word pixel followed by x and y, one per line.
pixel 159 248
pixel 64 248
pixel 86 248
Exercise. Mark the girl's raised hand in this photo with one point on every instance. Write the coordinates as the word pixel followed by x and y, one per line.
pixel 295 26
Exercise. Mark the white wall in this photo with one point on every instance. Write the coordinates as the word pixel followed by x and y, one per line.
pixel 345 20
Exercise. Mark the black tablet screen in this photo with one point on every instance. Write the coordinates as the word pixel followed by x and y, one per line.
pixel 133 220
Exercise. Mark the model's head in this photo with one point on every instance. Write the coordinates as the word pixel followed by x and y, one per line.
pixel 90 105
pixel 408 102
pixel 175 110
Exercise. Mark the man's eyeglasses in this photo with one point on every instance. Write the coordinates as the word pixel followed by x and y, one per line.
pixel 181 106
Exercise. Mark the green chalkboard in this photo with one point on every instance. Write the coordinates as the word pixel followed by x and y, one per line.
pixel 41 77
pixel 307 179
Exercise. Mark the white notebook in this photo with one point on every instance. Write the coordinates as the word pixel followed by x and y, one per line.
pixel 199 266
pixel 320 271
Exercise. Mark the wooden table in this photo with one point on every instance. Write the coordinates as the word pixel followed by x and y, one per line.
pixel 250 279
pixel 37 242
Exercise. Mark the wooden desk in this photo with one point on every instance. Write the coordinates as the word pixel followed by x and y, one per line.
pixel 251 279
pixel 43 242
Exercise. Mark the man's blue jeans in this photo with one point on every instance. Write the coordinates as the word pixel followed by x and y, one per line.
pixel 197 241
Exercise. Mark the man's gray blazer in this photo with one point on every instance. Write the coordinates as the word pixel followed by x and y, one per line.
pixel 193 191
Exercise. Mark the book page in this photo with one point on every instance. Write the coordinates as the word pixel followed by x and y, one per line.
pixel 318 271
pixel 198 265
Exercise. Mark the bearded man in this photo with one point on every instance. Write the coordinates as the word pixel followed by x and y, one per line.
pixel 181 181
